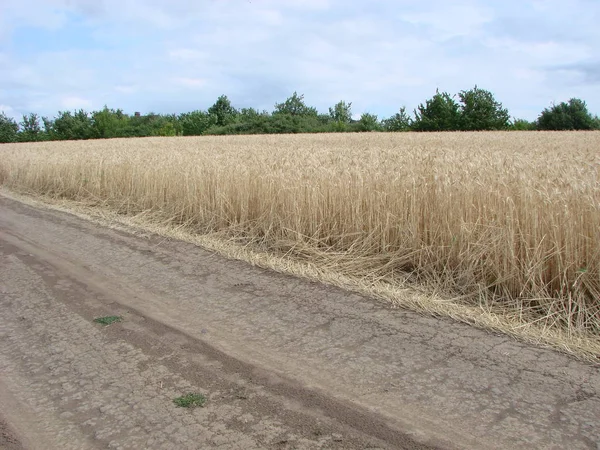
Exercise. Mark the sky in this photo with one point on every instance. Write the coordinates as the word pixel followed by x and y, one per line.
pixel 180 55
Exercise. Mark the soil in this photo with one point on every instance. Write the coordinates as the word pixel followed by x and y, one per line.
pixel 285 363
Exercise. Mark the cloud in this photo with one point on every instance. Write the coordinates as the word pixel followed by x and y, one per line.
pixel 187 54
pixel 74 102
pixel 544 52
pixel 50 15
pixel 193 83
pixel 445 20
pixel 131 89
pixel 151 55
pixel 586 72
pixel 8 110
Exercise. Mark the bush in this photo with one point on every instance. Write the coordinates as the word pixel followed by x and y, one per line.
pixel 8 129
pixel 196 123
pixel 69 126
pixel 223 111
pixel 440 113
pixel 480 111
pixel 295 106
pixel 109 123
pixel 522 125
pixel 369 122
pixel 571 115
pixel 472 110
pixel 341 112
pixel 398 122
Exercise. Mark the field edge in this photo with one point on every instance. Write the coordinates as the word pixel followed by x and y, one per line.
pixel 405 296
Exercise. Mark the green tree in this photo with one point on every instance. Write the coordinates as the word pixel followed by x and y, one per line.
pixel 73 126
pixel 247 114
pixel 49 128
pixel 479 111
pixel 341 112
pixel 368 122
pixel 167 125
pixel 571 115
pixel 440 113
pixel 196 123
pixel 400 121
pixel 248 121
pixel 145 125
pixel 223 111
pixel 31 130
pixel 288 123
pixel 295 106
pixel 108 123
pixel 167 129
pixel 250 114
pixel 522 125
pixel 8 129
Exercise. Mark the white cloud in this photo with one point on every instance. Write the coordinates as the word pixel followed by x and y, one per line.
pixel 8 110
pixel 193 83
pixel 50 15
pixel 74 102
pixel 544 52
pixel 450 19
pixel 126 89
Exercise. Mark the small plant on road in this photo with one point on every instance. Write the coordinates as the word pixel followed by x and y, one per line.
pixel 108 320
pixel 190 400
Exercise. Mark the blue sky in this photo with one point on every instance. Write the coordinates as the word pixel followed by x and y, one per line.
pixel 180 55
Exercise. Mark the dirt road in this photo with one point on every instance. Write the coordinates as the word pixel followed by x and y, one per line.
pixel 284 363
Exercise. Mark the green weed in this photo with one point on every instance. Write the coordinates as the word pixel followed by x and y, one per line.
pixel 107 320
pixel 191 400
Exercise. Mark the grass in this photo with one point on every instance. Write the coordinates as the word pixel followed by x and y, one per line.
pixel 507 224
pixel 192 400
pixel 108 320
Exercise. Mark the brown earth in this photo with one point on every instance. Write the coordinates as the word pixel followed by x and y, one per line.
pixel 285 363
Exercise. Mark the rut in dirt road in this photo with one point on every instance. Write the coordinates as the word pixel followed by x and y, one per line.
pixel 283 362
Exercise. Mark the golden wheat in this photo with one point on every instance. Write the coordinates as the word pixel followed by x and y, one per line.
pixel 508 221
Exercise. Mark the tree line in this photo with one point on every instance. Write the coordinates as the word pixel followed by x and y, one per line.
pixel 471 110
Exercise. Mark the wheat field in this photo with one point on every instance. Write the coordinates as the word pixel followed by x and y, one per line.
pixel 506 221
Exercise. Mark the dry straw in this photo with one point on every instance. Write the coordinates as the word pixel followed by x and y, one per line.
pixel 504 222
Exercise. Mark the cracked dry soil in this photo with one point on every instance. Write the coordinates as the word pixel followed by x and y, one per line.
pixel 285 363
